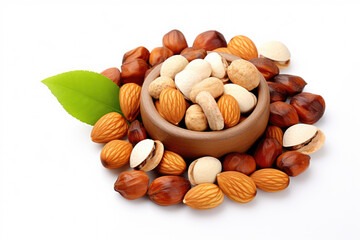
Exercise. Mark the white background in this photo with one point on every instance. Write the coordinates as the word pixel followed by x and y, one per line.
pixel 52 185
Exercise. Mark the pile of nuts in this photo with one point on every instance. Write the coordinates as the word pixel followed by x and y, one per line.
pixel 200 77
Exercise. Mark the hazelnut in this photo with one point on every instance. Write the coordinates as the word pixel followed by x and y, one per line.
pixel 209 40
pixel 244 73
pixel 173 65
pixel 133 71
pixel 168 190
pixel 113 74
pixel 303 138
pixel 146 155
pixel 137 53
pixel 136 132
pixel 310 107
pixel 293 163
pixel 266 67
pixel 160 84
pixel 195 118
pixel 283 114
pixel 159 54
pixel 274 132
pixel 277 92
pixel 132 184
pixel 175 41
pixel 266 152
pixel 192 54
pixel 204 170
pixel 239 162
pixel 293 84
pixel 189 49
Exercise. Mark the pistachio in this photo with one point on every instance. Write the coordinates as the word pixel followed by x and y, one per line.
pixel 204 170
pixel 160 84
pixel 303 138
pixel 244 73
pixel 246 99
pixel 146 155
pixel 173 65
pixel 212 85
pixel 276 51
pixel 218 65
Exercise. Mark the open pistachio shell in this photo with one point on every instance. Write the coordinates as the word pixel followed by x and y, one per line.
pixel 246 99
pixel 204 170
pixel 275 51
pixel 146 155
pixel 218 65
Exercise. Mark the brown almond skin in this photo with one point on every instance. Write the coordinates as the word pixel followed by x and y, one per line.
pixel 175 41
pixel 266 152
pixel 168 190
pixel 277 92
pixel 194 54
pixel 115 154
pixel 293 84
pixel 113 74
pixel 274 132
pixel 159 55
pixel 133 71
pixel 270 179
pixel 293 163
pixel 132 184
pixel 136 132
pixel 209 40
pixel 310 107
pixel 171 164
pixel 283 114
pixel 239 162
pixel 266 67
pixel 137 53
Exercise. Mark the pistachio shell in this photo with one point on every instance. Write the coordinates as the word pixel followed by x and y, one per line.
pixel 141 151
pixel 246 99
pixel 314 145
pixel 275 50
pixel 185 80
pixel 204 170
pixel 218 64
pixel 298 134
pixel 156 158
pixel 173 65
pixel 202 67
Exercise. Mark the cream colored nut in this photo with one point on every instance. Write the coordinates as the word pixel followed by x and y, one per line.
pixel 244 73
pixel 202 67
pixel 276 51
pixel 303 138
pixel 195 118
pixel 173 65
pixel 160 84
pixel 211 110
pixel 247 100
pixel 146 155
pixel 218 65
pixel 204 170
pixel 212 85
pixel 185 80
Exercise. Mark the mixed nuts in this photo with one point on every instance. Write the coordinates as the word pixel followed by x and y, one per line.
pixel 199 90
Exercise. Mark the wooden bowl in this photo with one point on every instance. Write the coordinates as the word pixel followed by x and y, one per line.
pixel 191 144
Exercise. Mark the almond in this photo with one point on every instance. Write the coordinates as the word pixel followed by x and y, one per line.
pixel 204 196
pixel 129 97
pixel 243 47
pixel 109 127
pixel 116 153
pixel 274 132
pixel 230 110
pixel 157 106
pixel 237 186
pixel 224 50
pixel 270 180
pixel 172 105
pixel 171 164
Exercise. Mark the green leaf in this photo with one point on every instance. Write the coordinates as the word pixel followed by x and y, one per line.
pixel 85 95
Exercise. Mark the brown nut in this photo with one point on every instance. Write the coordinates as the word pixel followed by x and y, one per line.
pixel 310 107
pixel 293 163
pixel 204 196
pixel 113 74
pixel 266 152
pixel 195 118
pixel 283 114
pixel 244 73
pixel 266 67
pixel 146 155
pixel 188 49
pixel 115 154
pixel 172 105
pixel 274 132
pixel 243 47
pixel 193 54
pixel 137 53
pixel 277 92
pixel 168 190
pixel 159 84
pixel 171 164
pixel 136 132
pixel 229 109
pixel 175 41
pixel 239 162
pixel 132 184
pixel 109 127
pixel 159 54
pixel 209 40
pixel 293 84
pixel 270 180
pixel 129 98
pixel 133 71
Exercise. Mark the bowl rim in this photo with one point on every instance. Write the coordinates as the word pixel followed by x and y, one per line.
pixel 156 119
